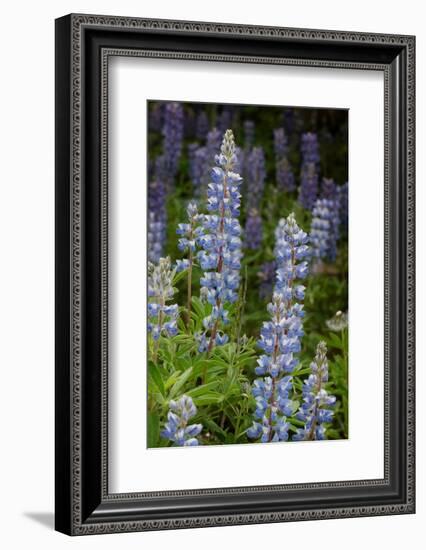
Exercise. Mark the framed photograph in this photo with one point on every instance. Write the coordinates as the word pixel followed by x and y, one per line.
pixel 234 274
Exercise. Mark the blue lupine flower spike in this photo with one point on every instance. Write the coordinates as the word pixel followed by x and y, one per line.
pixel 256 174
pixel 157 215
pixel 220 244
pixel 316 408
pixel 325 229
pixel 280 337
pixel 162 317
pixel 190 233
pixel 284 174
pixel 309 177
pixel 173 138
pixel 177 428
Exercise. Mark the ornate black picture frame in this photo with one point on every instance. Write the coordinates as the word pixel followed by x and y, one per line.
pixel 83 45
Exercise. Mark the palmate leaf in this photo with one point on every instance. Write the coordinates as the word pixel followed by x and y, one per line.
pixel 180 382
pixel 201 310
pixel 201 390
pixel 155 376
pixel 209 398
pixel 211 366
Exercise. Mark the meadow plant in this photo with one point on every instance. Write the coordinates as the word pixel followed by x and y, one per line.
pixel 177 428
pixel 222 369
pixel 255 184
pixel 315 410
pixel 280 337
pixel 325 229
pixel 283 172
pixel 342 193
pixel 220 256
pixel 162 317
pixel 172 138
pixel 309 177
pixel 189 233
pixel 157 219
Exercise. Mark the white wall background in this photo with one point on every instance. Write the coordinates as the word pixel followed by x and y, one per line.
pixel 26 289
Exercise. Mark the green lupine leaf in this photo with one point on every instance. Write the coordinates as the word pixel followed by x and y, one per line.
pixel 200 390
pixel 209 398
pixel 155 374
pixel 180 382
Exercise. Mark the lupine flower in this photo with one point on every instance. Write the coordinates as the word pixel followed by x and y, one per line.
pixel 253 231
pixel 280 337
pixel 310 148
pixel 155 238
pixel 325 229
pixel 221 244
pixel 256 174
pixel 162 317
pixel 315 411
pixel 157 217
pixel 206 158
pixel 284 174
pixel 342 192
pixel 190 233
pixel 308 191
pixel 177 428
pixel 202 125
pixel 338 322
pixel 328 189
pixel 197 157
pixel 173 137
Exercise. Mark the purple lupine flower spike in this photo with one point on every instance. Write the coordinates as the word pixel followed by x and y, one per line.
pixel 325 229
pixel 309 178
pixel 280 337
pixel 343 200
pixel 315 410
pixel 221 244
pixel 177 428
pixel 173 138
pixel 256 174
pixel 253 230
pixel 157 219
pixel 162 317
pixel 284 174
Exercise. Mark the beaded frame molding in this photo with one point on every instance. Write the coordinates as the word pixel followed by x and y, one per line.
pixel 84 44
